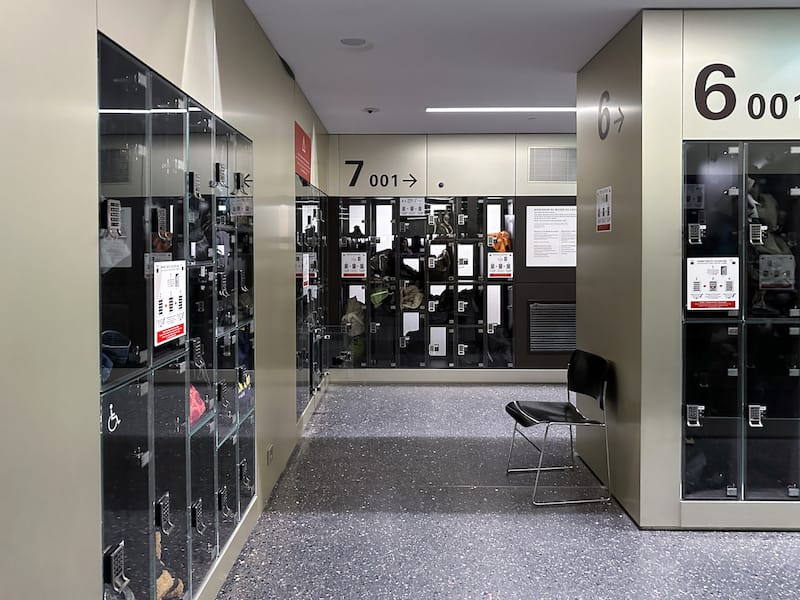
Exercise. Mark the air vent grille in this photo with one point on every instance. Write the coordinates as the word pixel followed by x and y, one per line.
pixel 552 327
pixel 552 164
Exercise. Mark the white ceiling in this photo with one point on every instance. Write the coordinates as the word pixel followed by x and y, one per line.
pixel 447 53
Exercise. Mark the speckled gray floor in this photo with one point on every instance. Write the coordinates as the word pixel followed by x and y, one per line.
pixel 401 492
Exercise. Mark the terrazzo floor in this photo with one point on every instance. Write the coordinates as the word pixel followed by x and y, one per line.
pixel 401 492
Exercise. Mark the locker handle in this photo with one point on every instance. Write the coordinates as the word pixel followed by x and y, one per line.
pixel 755 414
pixel 163 516
pixel 114 567
pixel 244 477
pixel 222 502
pixel 697 232
pixel 694 412
pixel 197 517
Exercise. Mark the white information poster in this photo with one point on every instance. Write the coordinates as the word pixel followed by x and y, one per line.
pixel 712 283
pixel 501 265
pixel 552 234
pixel 412 207
pixel 169 300
pixel 603 196
pixel 354 265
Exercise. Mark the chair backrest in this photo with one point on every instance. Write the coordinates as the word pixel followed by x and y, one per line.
pixel 587 374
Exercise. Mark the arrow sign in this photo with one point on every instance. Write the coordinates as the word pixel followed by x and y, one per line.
pixel 619 120
pixel 413 180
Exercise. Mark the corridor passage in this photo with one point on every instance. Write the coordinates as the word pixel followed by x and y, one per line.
pixel 401 492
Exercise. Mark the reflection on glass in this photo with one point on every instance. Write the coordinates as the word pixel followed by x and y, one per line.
pixel 383 227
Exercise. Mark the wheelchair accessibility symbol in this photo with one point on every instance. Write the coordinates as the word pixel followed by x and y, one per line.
pixel 113 420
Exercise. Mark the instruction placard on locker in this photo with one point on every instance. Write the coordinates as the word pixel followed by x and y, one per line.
pixel 169 300
pixel 501 265
pixel 412 207
pixel 241 206
pixel 712 283
pixel 354 265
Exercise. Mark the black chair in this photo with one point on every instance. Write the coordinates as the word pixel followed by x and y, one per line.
pixel 587 374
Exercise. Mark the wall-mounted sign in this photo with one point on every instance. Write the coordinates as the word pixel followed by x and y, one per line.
pixel 551 236
pixel 169 301
pixel 302 153
pixel 382 165
pixel 603 217
pixel 501 265
pixel 609 117
pixel 354 265
pixel 298 264
pixel 741 76
pixel 712 283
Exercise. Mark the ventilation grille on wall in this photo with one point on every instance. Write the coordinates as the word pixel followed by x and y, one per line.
pixel 552 164
pixel 552 327
pixel 114 165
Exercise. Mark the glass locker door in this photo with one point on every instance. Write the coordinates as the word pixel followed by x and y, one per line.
pixel 202 502
pixel 170 459
pixel 712 412
pixel 773 229
pixel 772 417
pixel 127 514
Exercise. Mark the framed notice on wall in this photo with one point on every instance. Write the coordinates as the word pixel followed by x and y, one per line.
pixel 551 236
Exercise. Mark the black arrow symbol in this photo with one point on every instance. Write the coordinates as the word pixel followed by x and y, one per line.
pixel 619 120
pixel 413 180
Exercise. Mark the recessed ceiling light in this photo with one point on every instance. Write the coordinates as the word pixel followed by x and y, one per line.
pixel 353 42
pixel 504 109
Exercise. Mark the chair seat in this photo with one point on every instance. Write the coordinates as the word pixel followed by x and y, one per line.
pixel 528 413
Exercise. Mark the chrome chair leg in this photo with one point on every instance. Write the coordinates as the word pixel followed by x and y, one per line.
pixel 571 448
pixel 511 450
pixel 605 498
pixel 510 470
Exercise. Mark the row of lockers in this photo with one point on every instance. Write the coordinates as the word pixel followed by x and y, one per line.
pixel 741 411
pixel 174 484
pixel 439 326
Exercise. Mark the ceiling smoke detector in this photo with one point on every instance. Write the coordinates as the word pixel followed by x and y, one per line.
pixel 370 110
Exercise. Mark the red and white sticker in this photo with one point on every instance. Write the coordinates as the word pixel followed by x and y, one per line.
pixel 501 265
pixel 354 265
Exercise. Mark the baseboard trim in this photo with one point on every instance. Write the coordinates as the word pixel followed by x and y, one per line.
pixel 490 376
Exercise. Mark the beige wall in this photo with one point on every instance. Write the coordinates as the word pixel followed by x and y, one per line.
pixel 445 165
pixel 608 279
pixel 662 191
pixel 50 453
pixel 50 433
